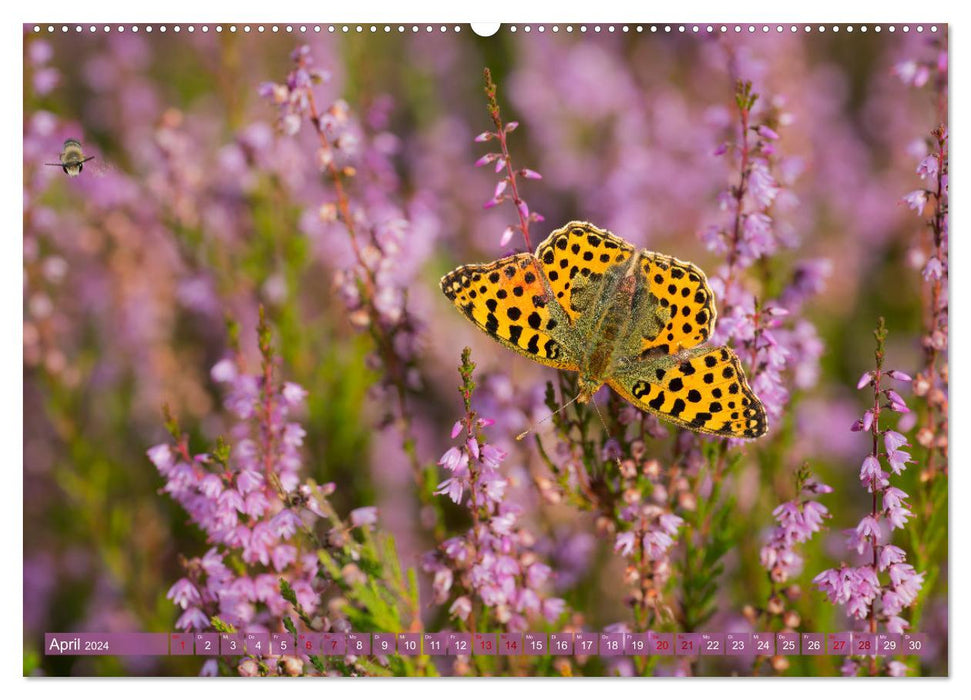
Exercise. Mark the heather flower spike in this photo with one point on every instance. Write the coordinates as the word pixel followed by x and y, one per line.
pixel 877 591
pixel 490 571
pixel 504 161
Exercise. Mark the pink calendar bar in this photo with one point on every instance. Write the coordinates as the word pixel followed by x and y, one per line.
pixel 889 644
pixel 535 644
pixel 813 644
pixel 459 644
pixel 181 644
pixel 383 643
pixel 333 644
pixel 257 643
pixel 435 643
pixel 839 643
pixel 308 642
pixel 510 644
pixel 687 644
pixel 739 644
pixel 207 643
pixel 585 644
pixel 281 643
pixel 637 643
pixel 230 644
pixel 106 644
pixel 611 643
pixel 712 644
pixel 359 643
pixel 661 643
pixel 484 644
pixel 915 644
pixel 561 643
pixel 763 643
pixel 409 644
pixel 864 644
pixel 787 643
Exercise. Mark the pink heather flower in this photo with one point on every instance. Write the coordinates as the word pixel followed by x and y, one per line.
pixel 453 488
pixel 864 380
pixel 928 167
pixel 898 516
pixel 494 488
pixel 248 480
pixel 492 456
pixel 899 376
pixel 473 445
pixel 906 581
pixel 192 619
pixel 294 394
pixel 890 554
pixel 39 52
pixel 283 555
pixel 461 608
pixel 670 523
pixel 286 523
pixel 871 472
pixel 912 73
pixel 933 270
pixel 762 186
pixel 364 516
pixel 625 543
pixel 484 136
pixel 224 371
pixel 454 459
pixel 184 593
pixel 867 421
pixel 916 200
pixel 456 429
pixel 611 450
pixel 256 504
pixel 442 583
pixel 849 667
pixel 897 625
pixel 893 440
pixel 897 669
pixel 45 80
pixel 656 544
pixel 767 133
pixel 553 608
pixel 868 527
pixel 813 514
pixel 507 235
pixel 895 397
pixel 161 456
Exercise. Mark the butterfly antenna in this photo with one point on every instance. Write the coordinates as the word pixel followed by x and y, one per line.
pixel 600 416
pixel 540 422
pixel 604 424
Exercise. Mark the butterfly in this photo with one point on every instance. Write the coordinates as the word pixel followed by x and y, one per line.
pixel 590 302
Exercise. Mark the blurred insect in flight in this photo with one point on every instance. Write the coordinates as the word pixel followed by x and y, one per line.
pixel 72 158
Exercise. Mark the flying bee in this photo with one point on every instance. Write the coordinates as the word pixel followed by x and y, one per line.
pixel 72 158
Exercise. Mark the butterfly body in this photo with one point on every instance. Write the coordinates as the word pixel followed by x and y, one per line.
pixel 589 302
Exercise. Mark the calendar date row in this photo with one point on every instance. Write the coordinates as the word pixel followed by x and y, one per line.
pixel 489 644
